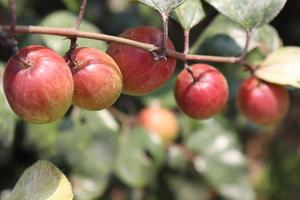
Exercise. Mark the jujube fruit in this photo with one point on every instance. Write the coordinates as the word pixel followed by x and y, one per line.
pixel 204 95
pixel 38 84
pixel 261 102
pixel 142 73
pixel 160 121
pixel 97 79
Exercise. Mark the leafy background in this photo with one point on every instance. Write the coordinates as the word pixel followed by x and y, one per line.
pixel 233 158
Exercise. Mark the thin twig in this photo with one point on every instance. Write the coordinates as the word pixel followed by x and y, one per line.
pixel 13 20
pixel 186 49
pixel 81 13
pixel 70 32
pixel 247 43
pixel 13 16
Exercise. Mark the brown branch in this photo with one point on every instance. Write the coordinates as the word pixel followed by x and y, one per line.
pixel 70 32
pixel 80 15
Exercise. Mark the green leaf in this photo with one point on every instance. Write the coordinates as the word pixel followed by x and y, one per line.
pixel 249 13
pixel 42 137
pixel 163 6
pixel 67 19
pixel 187 188
pixel 189 13
pixel 281 67
pixel 93 138
pixel 42 181
pixel 220 160
pixel 223 37
pixel 176 159
pixel 139 157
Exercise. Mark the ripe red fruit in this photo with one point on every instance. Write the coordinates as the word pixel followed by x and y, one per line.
pixel 38 84
pixel 141 73
pixel 159 121
pixel 204 97
pixel 261 102
pixel 97 79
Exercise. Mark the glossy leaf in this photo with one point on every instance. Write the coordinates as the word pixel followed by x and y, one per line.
pixel 67 20
pixel 139 156
pixel 189 13
pixel 249 13
pixel 281 67
pixel 163 6
pixel 42 181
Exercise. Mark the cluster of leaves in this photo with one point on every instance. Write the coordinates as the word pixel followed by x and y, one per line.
pixel 101 160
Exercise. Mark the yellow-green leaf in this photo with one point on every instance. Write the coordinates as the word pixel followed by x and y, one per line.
pixel 42 181
pixel 281 67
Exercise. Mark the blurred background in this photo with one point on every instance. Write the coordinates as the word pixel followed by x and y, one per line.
pixel 226 157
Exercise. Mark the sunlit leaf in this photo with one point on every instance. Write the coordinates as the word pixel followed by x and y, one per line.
pixel 67 20
pixel 282 67
pixel 42 181
pixel 249 13
pixel 189 13
pixel 163 6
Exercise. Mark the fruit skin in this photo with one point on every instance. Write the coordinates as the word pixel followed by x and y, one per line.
pixel 42 91
pixel 97 79
pixel 204 97
pixel 159 121
pixel 261 102
pixel 142 74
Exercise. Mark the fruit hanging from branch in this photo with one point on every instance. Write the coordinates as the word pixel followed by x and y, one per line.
pixel 202 94
pixel 97 79
pixel 261 102
pixel 141 72
pixel 38 84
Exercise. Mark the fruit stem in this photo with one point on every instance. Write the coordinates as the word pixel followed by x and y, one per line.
pixel 247 43
pixel 24 62
pixel 161 53
pixel 186 49
pixel 73 39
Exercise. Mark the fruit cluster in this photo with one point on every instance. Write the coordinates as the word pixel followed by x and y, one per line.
pixel 40 85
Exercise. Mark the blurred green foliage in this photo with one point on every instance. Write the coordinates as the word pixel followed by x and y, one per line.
pixel 226 157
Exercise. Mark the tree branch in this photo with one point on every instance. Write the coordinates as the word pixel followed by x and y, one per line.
pixel 70 32
pixel 80 15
